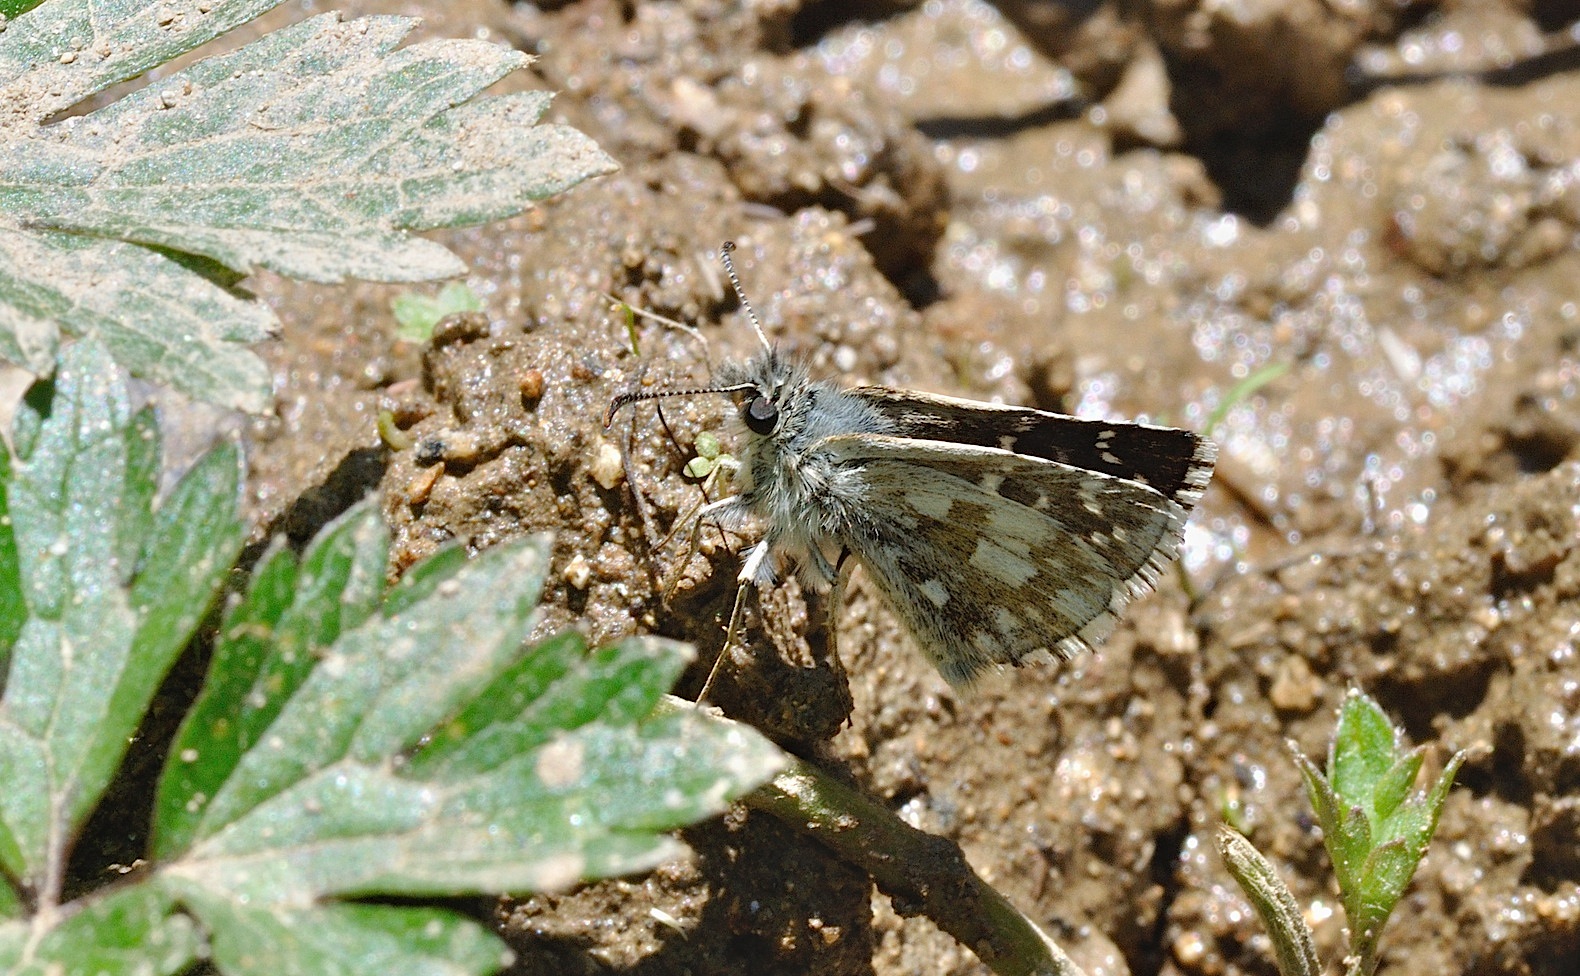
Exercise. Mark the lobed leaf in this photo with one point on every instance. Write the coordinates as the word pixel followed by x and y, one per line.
pixel 268 644
pixel 348 940
pixel 312 152
pixel 428 754
pixel 90 652
pixel 134 931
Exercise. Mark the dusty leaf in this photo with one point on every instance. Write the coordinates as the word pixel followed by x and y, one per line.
pixel 313 152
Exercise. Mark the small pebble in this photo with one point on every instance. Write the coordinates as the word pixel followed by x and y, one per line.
pixel 531 388
pixel 606 467
pixel 420 487
pixel 578 573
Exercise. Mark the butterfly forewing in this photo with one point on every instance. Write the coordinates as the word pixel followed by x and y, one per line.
pixel 989 556
pixel 1175 462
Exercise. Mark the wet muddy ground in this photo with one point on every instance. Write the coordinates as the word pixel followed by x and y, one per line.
pixel 1115 210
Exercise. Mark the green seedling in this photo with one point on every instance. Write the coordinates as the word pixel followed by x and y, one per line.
pixel 416 315
pixel 1375 829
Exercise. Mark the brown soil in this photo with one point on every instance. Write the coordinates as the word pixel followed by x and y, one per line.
pixel 1118 215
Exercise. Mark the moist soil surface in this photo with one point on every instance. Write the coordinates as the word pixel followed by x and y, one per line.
pixel 1367 211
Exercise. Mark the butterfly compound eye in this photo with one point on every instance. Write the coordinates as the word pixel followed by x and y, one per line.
pixel 761 415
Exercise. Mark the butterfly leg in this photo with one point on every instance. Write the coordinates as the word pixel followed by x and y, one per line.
pixel 748 575
pixel 836 599
pixel 694 518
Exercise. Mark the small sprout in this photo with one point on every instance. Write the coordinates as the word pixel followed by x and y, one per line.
pixel 390 433
pixel 1375 829
pixel 1241 392
pixel 630 325
pixel 710 458
pixel 416 315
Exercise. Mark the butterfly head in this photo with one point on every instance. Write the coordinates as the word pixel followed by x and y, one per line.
pixel 759 386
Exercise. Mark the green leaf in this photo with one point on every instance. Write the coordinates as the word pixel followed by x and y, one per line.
pixel 130 932
pixel 699 467
pixel 312 152
pixel 161 321
pixel 416 315
pixel 268 645
pixel 13 609
pixel 1364 748
pixel 429 753
pixel 349 940
pixel 556 686
pixel 1274 903
pixel 90 653
pixel 1393 786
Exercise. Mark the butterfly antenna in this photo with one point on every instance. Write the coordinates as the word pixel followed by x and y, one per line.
pixel 637 396
pixel 740 293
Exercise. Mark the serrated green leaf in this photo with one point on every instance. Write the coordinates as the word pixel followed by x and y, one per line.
pixel 315 167
pixel 90 653
pixel 422 580
pixel 347 940
pixel 161 321
pixel 13 610
pixel 267 646
pixel 113 40
pixel 592 803
pixel 130 932
pixel 312 152
pixel 385 684
pixel 555 687
pixel 1364 747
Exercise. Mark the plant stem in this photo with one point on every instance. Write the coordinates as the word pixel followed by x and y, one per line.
pixel 926 873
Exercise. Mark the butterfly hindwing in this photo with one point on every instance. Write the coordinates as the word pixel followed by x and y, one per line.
pixel 989 556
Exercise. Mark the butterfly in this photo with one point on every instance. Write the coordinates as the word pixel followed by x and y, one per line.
pixel 994 533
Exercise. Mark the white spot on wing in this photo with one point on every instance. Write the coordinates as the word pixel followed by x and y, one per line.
pixel 931 504
pixel 1006 622
pixel 1001 564
pixel 1008 523
pixel 934 591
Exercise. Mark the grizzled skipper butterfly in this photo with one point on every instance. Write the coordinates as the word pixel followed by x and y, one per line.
pixel 993 532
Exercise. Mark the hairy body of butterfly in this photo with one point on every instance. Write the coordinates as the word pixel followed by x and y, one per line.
pixel 993 532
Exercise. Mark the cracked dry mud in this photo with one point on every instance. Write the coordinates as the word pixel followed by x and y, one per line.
pixel 1121 215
